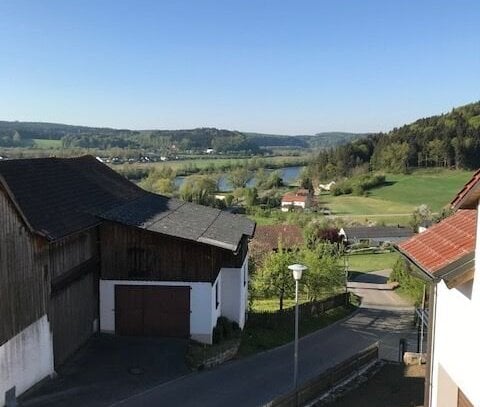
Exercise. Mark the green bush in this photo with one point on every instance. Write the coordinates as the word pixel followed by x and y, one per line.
pixel 410 285
pixel 358 185
pixel 217 334
pixel 225 329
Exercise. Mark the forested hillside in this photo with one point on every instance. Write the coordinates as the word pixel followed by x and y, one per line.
pixel 28 134
pixel 24 134
pixel 449 140
pixel 319 140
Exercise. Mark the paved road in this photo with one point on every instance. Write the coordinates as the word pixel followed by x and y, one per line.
pixel 256 380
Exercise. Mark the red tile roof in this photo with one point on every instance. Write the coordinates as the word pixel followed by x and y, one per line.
pixel 469 187
pixel 443 243
pixel 292 197
pixel 268 236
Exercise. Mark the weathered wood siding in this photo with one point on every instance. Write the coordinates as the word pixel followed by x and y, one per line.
pixel 72 251
pixel 132 254
pixel 74 267
pixel 24 280
pixel 72 314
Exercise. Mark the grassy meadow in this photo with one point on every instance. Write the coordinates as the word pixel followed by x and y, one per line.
pixel 206 162
pixel 395 201
pixel 48 144
pixel 365 263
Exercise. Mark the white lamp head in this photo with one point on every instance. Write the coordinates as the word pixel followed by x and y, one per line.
pixel 297 270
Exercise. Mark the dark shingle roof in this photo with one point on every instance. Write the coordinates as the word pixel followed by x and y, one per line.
pixel 185 220
pixel 61 196
pixel 365 232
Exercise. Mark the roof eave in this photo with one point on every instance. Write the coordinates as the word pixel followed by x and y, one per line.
pixel 425 274
pixel 11 196
pixel 451 273
pixel 469 201
pixel 217 243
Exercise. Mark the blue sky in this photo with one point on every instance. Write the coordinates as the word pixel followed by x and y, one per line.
pixel 288 67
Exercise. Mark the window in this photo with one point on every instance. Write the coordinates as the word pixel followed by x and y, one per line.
pixel 245 278
pixel 217 300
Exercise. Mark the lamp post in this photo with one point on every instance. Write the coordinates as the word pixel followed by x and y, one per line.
pixel 297 270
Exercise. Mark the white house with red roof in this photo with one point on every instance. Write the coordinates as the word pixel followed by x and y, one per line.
pixel 445 256
pixel 301 199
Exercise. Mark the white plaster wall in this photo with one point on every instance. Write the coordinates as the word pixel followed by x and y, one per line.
pixel 216 310
pixel 231 293
pixel 27 358
pixel 457 335
pixel 200 306
pixel 235 293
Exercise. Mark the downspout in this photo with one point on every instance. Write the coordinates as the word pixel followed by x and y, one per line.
pixel 432 301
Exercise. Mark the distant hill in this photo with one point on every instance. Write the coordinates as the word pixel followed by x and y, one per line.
pixel 447 140
pixel 31 134
pixel 329 139
pixel 27 134
pixel 319 140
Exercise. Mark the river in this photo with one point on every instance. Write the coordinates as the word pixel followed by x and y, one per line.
pixel 288 175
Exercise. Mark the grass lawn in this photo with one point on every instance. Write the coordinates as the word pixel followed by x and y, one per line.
pixel 394 202
pixel 261 338
pixel 435 187
pixel 371 262
pixel 272 304
pixel 43 143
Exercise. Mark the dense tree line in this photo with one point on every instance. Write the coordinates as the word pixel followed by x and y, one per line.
pixel 450 140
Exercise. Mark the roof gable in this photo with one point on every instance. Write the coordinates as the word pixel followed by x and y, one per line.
pixel 59 196
pixel 469 195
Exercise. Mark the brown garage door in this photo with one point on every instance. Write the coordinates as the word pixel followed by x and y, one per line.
pixel 152 310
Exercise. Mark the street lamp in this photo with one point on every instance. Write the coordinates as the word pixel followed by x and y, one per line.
pixel 297 270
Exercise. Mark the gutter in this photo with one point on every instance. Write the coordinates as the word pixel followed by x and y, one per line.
pixel 427 397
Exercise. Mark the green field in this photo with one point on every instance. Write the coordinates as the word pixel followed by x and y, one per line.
pixel 435 187
pixel 208 163
pixel 395 201
pixel 43 143
pixel 371 262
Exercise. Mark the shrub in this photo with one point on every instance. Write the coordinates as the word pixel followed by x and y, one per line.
pixel 225 329
pixel 411 285
pixel 358 185
pixel 217 334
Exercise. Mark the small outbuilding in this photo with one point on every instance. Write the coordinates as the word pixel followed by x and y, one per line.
pixel 375 235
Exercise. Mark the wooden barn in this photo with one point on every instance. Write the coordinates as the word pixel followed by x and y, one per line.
pixel 82 249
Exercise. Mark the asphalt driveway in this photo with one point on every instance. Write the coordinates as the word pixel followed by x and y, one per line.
pixel 109 368
pixel 256 380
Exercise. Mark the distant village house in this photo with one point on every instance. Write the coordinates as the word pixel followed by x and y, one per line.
pixel 301 199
